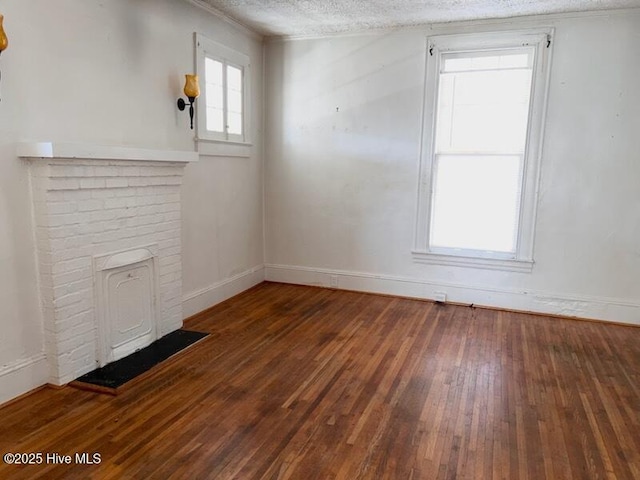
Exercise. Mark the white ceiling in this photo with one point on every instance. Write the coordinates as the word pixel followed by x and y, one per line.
pixel 309 17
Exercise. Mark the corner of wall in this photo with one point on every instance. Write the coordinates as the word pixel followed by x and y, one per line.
pixel 22 376
pixel 200 300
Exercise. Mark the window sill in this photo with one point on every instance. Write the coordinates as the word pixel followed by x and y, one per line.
pixel 509 265
pixel 218 148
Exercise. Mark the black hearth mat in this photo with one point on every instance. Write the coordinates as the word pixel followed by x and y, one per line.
pixel 114 375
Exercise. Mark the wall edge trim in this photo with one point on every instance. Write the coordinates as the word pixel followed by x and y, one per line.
pixel 431 28
pixel 608 309
pixel 21 376
pixel 204 298
pixel 226 18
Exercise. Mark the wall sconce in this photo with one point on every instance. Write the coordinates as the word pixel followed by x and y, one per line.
pixel 192 91
pixel 4 41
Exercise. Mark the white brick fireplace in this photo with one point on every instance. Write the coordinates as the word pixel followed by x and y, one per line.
pixel 107 223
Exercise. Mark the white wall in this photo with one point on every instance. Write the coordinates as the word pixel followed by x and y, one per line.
pixel 109 73
pixel 344 123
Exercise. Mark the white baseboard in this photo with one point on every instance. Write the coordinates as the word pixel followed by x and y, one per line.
pixel 22 376
pixel 581 306
pixel 200 300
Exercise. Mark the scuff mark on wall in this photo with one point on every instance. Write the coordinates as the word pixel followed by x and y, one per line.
pixel 571 308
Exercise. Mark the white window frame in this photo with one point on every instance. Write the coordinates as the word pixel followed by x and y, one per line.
pixel 206 48
pixel 522 260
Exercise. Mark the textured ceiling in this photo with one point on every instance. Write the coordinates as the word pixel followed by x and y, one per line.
pixel 308 17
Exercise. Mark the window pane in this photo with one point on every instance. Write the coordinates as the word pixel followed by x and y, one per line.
pixel 485 111
pixel 517 60
pixel 476 202
pixel 234 78
pixel 213 71
pixel 468 61
pixel 234 102
pixel 235 123
pixel 455 64
pixel 215 120
pixel 214 96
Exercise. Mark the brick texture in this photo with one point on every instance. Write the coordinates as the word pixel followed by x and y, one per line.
pixel 87 208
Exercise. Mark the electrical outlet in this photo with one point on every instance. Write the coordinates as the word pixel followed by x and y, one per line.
pixel 333 280
pixel 440 296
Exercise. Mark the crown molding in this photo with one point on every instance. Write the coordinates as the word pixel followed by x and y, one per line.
pixel 461 24
pixel 226 18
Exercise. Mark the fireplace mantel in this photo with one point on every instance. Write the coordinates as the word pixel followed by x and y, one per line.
pixel 105 214
pixel 55 150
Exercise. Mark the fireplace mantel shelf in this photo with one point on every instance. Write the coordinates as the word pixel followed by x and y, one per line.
pixel 107 216
pixel 53 150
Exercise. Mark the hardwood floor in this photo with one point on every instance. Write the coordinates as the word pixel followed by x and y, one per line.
pixel 307 383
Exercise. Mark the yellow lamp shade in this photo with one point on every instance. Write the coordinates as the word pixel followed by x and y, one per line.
pixel 4 41
pixel 191 86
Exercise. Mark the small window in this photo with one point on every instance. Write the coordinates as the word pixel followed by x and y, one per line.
pixel 224 108
pixel 484 106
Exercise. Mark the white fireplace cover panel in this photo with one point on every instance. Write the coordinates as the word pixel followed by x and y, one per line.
pixel 127 302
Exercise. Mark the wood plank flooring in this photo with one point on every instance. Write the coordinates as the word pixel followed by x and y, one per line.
pixel 308 383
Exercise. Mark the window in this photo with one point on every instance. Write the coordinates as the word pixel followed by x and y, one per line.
pixel 223 113
pixel 484 108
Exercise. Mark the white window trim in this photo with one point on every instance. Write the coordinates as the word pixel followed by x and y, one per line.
pixel 209 143
pixel 522 261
